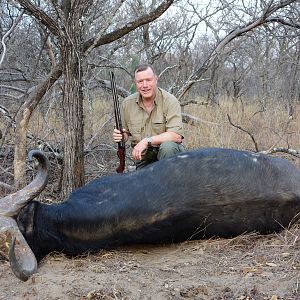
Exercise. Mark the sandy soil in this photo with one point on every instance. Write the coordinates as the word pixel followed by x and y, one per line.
pixel 247 267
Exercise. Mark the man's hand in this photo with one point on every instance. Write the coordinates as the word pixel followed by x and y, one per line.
pixel 117 135
pixel 139 149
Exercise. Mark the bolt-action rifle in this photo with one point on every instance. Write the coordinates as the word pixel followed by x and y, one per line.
pixel 118 120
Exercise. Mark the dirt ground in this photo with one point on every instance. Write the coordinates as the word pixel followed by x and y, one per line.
pixel 247 267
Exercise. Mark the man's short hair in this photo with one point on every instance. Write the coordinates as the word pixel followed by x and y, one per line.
pixel 143 67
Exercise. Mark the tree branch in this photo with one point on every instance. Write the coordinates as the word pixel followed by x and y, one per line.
pixel 2 86
pixel 41 16
pixel 6 35
pixel 226 40
pixel 7 186
pixel 283 22
pixel 120 32
pixel 22 120
pixel 250 134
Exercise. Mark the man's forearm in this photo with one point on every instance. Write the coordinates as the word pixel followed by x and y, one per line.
pixel 166 137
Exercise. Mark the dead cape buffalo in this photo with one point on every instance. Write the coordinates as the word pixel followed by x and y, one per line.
pixel 196 194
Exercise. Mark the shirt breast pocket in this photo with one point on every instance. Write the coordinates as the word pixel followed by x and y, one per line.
pixel 158 126
pixel 135 129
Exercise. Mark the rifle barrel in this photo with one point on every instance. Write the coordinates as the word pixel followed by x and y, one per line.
pixel 119 126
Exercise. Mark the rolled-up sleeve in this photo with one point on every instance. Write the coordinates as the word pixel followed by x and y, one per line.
pixel 171 111
pixel 173 118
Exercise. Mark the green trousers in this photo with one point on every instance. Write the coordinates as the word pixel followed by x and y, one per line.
pixel 153 154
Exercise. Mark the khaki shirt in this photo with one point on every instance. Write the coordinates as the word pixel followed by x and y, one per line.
pixel 165 116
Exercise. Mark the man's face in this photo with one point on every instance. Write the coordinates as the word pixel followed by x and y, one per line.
pixel 146 84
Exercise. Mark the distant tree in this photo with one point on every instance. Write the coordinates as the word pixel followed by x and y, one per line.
pixel 265 15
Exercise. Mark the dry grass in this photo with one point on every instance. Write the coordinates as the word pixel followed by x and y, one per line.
pixel 270 128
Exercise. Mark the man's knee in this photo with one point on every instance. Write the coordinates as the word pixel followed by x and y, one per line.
pixel 168 149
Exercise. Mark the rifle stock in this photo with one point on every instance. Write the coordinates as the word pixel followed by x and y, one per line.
pixel 121 145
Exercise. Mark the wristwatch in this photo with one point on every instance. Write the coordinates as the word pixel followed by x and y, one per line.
pixel 149 141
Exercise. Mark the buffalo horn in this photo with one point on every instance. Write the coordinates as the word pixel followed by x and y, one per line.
pixel 13 203
pixel 22 259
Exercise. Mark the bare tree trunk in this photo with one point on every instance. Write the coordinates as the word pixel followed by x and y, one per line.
pixel 293 81
pixel 22 121
pixel 213 87
pixel 73 175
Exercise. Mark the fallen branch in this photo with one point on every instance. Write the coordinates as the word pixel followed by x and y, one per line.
pixel 293 152
pixel 43 145
pixel 191 120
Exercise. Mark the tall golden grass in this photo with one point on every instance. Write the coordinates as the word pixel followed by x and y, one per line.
pixel 250 124
pixel 270 127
